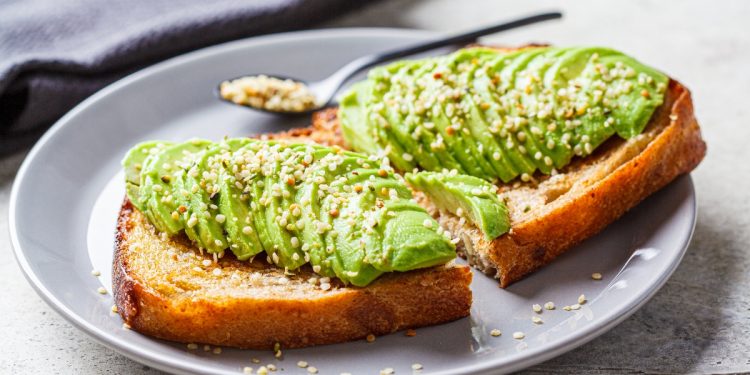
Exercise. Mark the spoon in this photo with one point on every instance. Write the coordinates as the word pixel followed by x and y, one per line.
pixel 320 94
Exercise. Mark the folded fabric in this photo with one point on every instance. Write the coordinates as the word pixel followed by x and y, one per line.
pixel 56 53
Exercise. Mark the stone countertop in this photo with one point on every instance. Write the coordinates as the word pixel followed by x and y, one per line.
pixel 700 320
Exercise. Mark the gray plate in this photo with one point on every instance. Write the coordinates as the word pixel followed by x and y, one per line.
pixel 66 197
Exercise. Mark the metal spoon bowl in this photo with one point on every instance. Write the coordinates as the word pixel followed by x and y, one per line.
pixel 326 89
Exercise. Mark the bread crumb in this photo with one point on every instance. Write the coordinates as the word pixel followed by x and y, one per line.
pixel 410 333
pixel 370 338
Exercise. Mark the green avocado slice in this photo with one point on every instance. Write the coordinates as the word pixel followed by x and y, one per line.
pixel 465 196
pixel 156 183
pixel 234 204
pixel 203 186
pixel 133 165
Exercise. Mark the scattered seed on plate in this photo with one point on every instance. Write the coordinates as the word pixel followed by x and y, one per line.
pixel 101 290
pixel 410 333
pixel 271 367
pixel 301 364
pixel 581 299
pixel 549 305
pixel 254 360
pixel 386 371
pixel 125 326
pixel 217 351
pixel 370 338
pixel 575 307
pixel 537 308
pixel 518 335
pixel 114 309
pixel 207 348
pixel 566 308
pixel 262 370
pixel 312 370
pixel 596 276
pixel 536 320
pixel 247 370
pixel 416 367
pixel 192 346
pixel 95 273
pixel 495 332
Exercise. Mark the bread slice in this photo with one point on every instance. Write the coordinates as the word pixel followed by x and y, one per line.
pixel 165 288
pixel 549 215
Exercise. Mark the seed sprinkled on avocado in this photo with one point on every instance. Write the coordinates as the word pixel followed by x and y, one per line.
pixel 298 203
pixel 498 114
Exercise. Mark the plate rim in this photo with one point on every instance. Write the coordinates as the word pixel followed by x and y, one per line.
pixel 159 361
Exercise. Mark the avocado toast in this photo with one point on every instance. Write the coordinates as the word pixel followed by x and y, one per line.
pixel 517 168
pixel 565 168
pixel 252 244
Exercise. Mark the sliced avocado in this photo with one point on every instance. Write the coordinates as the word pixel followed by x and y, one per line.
pixel 401 128
pixel 410 239
pixel 156 183
pixel 234 205
pixel 133 165
pixel 357 130
pixel 465 196
pixel 283 253
pixel 304 203
pixel 203 185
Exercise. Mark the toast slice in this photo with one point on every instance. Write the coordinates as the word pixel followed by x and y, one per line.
pixel 165 288
pixel 551 214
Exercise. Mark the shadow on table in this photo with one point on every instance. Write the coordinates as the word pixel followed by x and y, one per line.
pixel 669 334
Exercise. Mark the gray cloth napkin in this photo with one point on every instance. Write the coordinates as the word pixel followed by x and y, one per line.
pixel 55 53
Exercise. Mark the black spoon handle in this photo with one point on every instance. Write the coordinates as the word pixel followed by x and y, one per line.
pixel 463 38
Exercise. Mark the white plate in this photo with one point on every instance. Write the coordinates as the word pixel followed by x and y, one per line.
pixel 66 196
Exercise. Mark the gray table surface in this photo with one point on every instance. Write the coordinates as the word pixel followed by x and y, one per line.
pixel 699 322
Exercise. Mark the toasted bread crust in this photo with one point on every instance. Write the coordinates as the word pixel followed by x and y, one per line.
pixel 163 289
pixel 552 214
